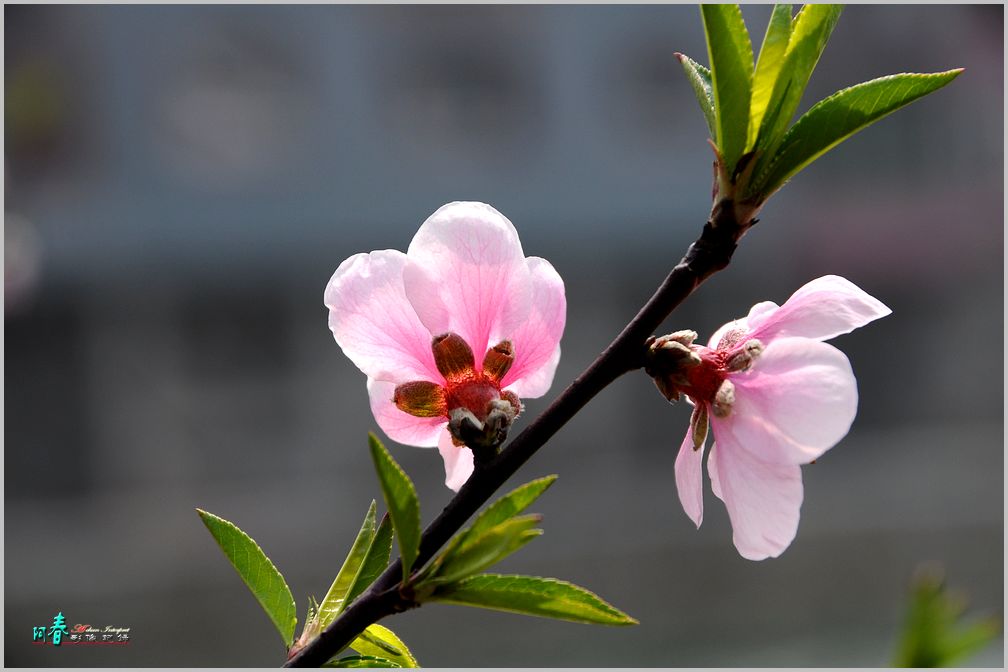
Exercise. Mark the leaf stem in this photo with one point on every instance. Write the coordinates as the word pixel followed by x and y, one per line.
pixel 710 253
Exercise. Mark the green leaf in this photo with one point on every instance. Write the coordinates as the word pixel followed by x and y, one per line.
pixel 361 661
pixel 379 641
pixel 335 600
pixel 700 79
pixel 509 505
pixel 834 119
pixel 768 67
pixel 810 30
pixel 934 634
pixel 731 60
pixel 401 499
pixel 375 560
pixel 257 571
pixel 534 596
pixel 483 550
pixel 504 508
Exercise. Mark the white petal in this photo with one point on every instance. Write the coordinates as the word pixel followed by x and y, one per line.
pixel 458 461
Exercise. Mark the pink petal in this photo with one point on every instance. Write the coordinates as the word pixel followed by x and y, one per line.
pixel 399 426
pixel 373 321
pixel 797 401
pixel 537 339
pixel 824 308
pixel 467 274
pixel 759 312
pixel 763 500
pixel 458 461
pixel 689 478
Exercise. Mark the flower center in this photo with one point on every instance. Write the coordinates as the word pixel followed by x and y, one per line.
pixel 679 367
pixel 479 414
pixel 474 395
pixel 704 380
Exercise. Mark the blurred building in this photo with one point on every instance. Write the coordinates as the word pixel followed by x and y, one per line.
pixel 181 182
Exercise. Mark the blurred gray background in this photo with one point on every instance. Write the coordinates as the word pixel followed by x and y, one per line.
pixel 182 181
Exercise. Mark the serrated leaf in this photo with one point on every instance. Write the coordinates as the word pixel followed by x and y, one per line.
pixel 335 600
pixel 731 60
pixel 401 500
pixel 768 67
pixel 509 505
pixel 480 551
pixel 501 510
pixel 361 661
pixel 810 30
pixel 257 571
pixel 534 596
pixel 375 560
pixel 699 78
pixel 379 641
pixel 834 119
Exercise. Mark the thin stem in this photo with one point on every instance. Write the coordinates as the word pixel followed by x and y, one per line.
pixel 710 253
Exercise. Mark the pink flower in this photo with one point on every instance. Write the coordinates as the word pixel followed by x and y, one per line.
pixel 452 334
pixel 776 397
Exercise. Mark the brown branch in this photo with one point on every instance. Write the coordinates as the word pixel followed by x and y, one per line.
pixel 710 253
